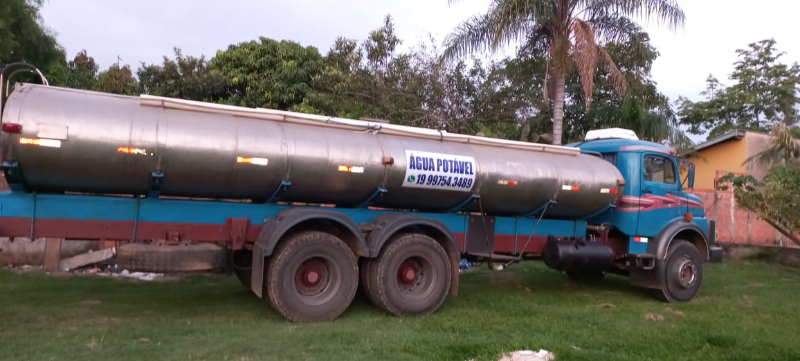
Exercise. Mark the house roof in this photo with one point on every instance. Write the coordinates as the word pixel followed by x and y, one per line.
pixel 734 134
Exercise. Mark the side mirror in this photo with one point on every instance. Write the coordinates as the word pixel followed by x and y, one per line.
pixel 691 176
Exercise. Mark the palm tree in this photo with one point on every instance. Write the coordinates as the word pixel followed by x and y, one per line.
pixel 566 30
pixel 783 146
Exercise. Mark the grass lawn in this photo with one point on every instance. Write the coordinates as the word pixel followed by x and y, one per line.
pixel 747 311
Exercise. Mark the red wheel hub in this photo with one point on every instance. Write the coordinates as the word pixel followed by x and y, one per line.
pixel 406 274
pixel 309 274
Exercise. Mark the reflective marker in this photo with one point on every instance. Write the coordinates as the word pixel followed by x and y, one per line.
pixel 53 143
pixel 251 160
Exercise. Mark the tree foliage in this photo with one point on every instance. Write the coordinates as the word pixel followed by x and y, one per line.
pixel 82 72
pixel 776 199
pixel 372 79
pixel 568 32
pixel 267 73
pixel 23 37
pixel 116 80
pixel 184 77
pixel 764 91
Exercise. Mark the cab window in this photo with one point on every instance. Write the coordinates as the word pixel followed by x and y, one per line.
pixel 610 157
pixel 658 169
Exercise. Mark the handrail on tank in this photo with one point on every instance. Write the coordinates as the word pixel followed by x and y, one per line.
pixel 5 81
pixel 342 123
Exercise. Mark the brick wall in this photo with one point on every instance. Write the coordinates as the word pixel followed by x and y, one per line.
pixel 735 225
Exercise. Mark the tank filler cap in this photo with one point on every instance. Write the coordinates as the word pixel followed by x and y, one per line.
pixel 611 133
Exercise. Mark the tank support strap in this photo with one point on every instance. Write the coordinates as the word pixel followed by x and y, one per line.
pixel 156 179
pixel 379 192
pixel 539 210
pixel 465 203
pixel 279 191
pixel 607 207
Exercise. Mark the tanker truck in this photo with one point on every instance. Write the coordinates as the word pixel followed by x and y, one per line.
pixel 313 207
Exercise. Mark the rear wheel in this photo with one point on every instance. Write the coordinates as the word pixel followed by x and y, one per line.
pixel 410 277
pixel 311 277
pixel 682 274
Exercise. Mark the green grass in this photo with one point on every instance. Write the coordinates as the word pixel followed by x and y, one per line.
pixel 747 311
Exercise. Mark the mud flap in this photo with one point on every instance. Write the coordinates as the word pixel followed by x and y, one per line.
pixel 257 270
pixel 645 271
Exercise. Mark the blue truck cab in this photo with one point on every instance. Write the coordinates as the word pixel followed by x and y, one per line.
pixel 660 224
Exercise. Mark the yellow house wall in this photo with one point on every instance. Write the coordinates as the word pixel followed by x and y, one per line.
pixel 728 156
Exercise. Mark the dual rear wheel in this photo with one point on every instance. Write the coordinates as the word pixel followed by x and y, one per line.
pixel 313 276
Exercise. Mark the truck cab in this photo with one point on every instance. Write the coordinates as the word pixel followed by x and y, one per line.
pixel 656 219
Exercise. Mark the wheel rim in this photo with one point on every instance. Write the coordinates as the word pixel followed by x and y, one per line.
pixel 686 273
pixel 415 277
pixel 316 280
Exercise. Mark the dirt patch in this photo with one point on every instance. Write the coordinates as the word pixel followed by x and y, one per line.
pixel 674 312
pixel 653 317
pixel 747 300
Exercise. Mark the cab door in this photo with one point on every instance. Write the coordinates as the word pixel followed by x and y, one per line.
pixel 659 199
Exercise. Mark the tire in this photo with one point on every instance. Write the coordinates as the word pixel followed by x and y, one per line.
pixel 311 277
pixel 170 258
pixel 682 276
pixel 586 276
pixel 410 277
pixel 242 263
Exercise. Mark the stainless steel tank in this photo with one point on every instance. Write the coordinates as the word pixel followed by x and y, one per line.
pixel 80 141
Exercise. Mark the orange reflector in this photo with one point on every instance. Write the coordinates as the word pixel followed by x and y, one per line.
pixel 687 217
pixel 53 143
pixel 131 150
pixel 350 169
pixel 251 160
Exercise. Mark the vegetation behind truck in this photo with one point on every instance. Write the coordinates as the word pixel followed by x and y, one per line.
pixel 312 206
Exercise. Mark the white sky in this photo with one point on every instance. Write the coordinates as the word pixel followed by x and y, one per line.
pixel 146 30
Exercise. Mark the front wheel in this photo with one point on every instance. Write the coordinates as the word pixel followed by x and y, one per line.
pixel 682 275
pixel 311 277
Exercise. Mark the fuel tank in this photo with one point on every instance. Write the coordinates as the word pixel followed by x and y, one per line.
pixel 59 140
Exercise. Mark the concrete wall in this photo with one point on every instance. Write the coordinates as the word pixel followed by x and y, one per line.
pixel 21 251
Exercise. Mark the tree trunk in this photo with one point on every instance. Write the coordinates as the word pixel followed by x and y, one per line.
pixel 558 108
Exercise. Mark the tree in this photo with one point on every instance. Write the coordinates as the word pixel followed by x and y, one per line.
pixel 782 147
pixel 116 80
pixel 372 79
pixel 567 30
pixel 643 108
pixel 185 77
pixel 776 199
pixel 267 73
pixel 82 72
pixel 24 38
pixel 764 92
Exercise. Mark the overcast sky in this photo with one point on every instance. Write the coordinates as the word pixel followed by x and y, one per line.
pixel 146 30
